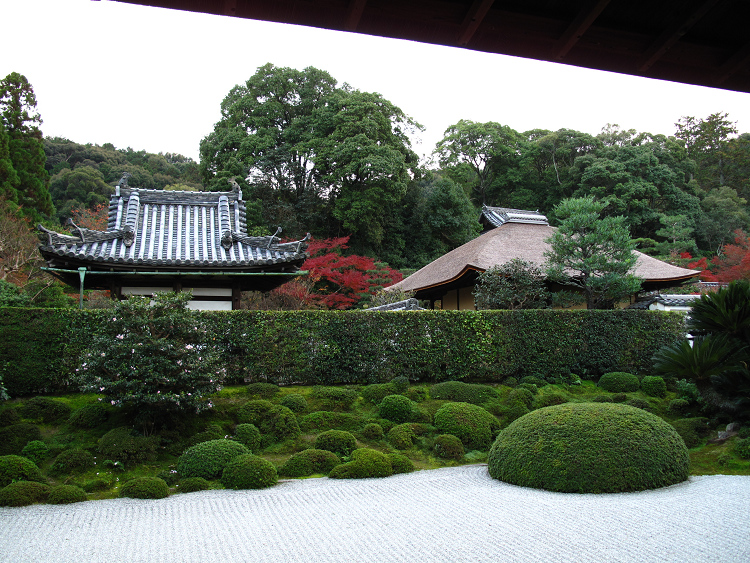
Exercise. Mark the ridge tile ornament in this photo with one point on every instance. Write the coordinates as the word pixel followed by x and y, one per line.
pixel 173 240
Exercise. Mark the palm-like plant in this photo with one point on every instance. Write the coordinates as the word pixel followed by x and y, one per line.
pixel 725 312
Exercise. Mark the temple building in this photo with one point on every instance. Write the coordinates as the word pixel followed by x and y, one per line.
pixel 448 282
pixel 173 240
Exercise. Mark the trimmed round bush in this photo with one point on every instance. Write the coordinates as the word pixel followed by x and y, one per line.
pixel 75 460
pixel 309 462
pixel 275 420
pixel 253 412
pixel 520 395
pixel 742 448
pixel 619 398
pixel 531 387
pixel 192 485
pixel 417 394
pixel 373 431
pixel 678 406
pixel 377 392
pixel 473 425
pixel 45 409
pixel 654 386
pixel 128 446
pixel 145 487
pixel 213 433
pixel 262 390
pixel 17 468
pixel 549 399
pixel 589 448
pixel 88 416
pixel 295 403
pixel 329 420
pixel 400 463
pixel 447 446
pixel 208 459
pixel 339 442
pixel 248 435
pixel 692 430
pixel 15 437
pixel 95 485
pixel 619 382
pixel 66 494
pixel 396 408
pixel 335 398
pixel 510 381
pixel 24 493
pixel 36 450
pixel 402 436
pixel 460 392
pixel 249 471
pixel 365 463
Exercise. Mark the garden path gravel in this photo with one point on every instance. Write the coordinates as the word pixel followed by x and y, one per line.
pixel 445 515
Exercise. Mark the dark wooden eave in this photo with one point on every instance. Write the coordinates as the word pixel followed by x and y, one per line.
pixel 702 42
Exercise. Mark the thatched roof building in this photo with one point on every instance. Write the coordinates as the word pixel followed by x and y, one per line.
pixel 512 234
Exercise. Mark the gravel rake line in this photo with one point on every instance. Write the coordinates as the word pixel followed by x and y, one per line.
pixel 445 515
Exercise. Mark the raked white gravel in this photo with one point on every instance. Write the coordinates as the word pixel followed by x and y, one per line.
pixel 444 515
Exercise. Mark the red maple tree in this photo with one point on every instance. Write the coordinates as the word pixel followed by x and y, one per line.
pixel 734 264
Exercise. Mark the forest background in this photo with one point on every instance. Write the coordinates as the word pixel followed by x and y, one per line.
pixel 313 155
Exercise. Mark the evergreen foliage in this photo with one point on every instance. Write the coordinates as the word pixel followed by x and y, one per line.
pixel 309 462
pixel 208 459
pixel 619 382
pixel 365 463
pixel 397 408
pixel 145 488
pixel 128 446
pixel 473 425
pixel 66 494
pixel 24 493
pixel 514 285
pixel 461 392
pixel 17 468
pixel 340 442
pixel 248 471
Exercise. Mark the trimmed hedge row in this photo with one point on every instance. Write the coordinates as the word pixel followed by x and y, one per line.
pixel 39 348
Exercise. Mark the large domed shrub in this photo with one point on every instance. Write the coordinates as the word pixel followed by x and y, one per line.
pixel 308 462
pixel 275 420
pixel 75 460
pixel 376 392
pixel 461 392
pixel 45 409
pixel 402 436
pixel 365 463
pixel 339 442
pixel 589 448
pixel 192 485
pixel 88 416
pixel 249 471
pixel 473 425
pixel 208 459
pixel 145 487
pixel 249 435
pixel 400 463
pixel 619 382
pixel 36 450
pixel 23 493
pixel 66 494
pixel 17 468
pixel 15 437
pixel 654 386
pixel 396 408
pixel 127 446
pixel 295 402
pixel 448 446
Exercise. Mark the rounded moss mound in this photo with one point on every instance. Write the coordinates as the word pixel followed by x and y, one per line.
pixel 365 463
pixel 654 386
pixel 396 408
pixel 127 446
pixel 376 392
pixel 589 448
pixel 208 459
pixel 75 460
pixel 373 431
pixel 66 494
pixel 448 446
pixel 248 435
pixel 400 463
pixel 88 416
pixel 473 425
pixel 249 471
pixel 24 493
pixel 193 485
pixel 36 450
pixel 339 442
pixel 309 462
pixel 145 487
pixel 295 403
pixel 17 468
pixel 402 437
pixel 619 382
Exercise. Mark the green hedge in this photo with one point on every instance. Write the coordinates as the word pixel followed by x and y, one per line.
pixel 39 348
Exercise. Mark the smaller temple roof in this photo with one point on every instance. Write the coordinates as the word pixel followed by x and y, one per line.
pixel 495 216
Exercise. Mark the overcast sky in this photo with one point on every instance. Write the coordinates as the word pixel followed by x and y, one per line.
pixel 153 79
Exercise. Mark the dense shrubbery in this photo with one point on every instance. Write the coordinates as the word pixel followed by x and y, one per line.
pixel 448 446
pixel 654 386
pixel 262 390
pixel 66 494
pixel 549 399
pixel 692 430
pixel 365 463
pixel 295 403
pixel 396 408
pixel 340 442
pixel 309 462
pixel 145 488
pixel 248 471
pixel 208 459
pixel 400 463
pixel 274 420
pixel 473 425
pixel 88 416
pixel 373 431
pixel 15 437
pixel 327 420
pixel 127 446
pixel 44 409
pixel 36 450
pixel 742 448
pixel 249 435
pixel 17 468
pixel 619 382
pixel 460 392
pixel 335 398
pixel 589 448
pixel 377 392
pixel 23 493
pixel 75 460
pixel 192 485
pixel 402 436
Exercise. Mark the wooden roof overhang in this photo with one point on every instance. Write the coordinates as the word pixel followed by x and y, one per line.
pixel 702 42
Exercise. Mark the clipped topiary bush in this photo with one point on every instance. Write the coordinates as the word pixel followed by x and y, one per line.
pixel 170 476
pixel 377 392
pixel 473 425
pixel 75 460
pixel 396 408
pixel 95 485
pixel 24 493
pixel 520 395
pixel 335 398
pixel 128 446
pixel 208 459
pixel 589 448
pixel 192 485
pixel 248 435
pixel 460 392
pixel 253 412
pixel 17 468
pixel 295 403
pixel 275 420
pixel 145 488
pixel 88 416
pixel 15 437
pixel 66 494
pixel 373 431
pixel 214 432
pixel 36 450
pixel 619 382
pixel 531 387
pixel 654 386
pixel 678 406
pixel 400 463
pixel 327 420
pixel 365 463
pixel 692 430
pixel 45 409
pixel 262 390
pixel 248 471
pixel 402 436
pixel 619 398
pixel 309 462
pixel 549 399
pixel 340 442
pixel 447 446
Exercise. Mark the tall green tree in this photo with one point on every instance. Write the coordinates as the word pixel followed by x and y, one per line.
pixel 591 253
pixel 706 141
pixel 9 180
pixel 25 147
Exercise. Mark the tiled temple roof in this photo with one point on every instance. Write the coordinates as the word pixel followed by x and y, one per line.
pixel 497 216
